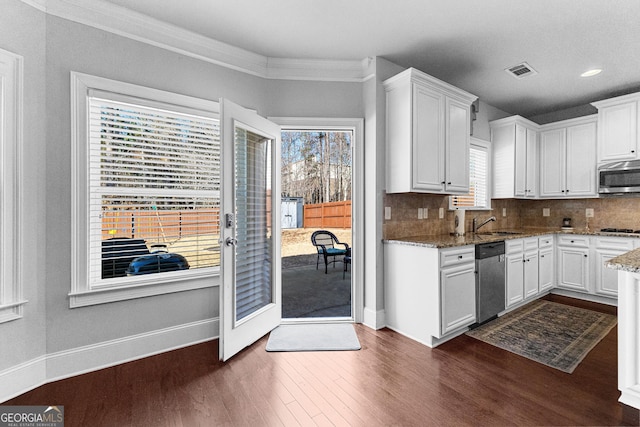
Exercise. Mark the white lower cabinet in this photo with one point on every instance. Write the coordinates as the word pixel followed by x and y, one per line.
pixel 524 276
pixel 458 308
pixel 546 263
pixel 573 263
pixel 606 279
pixel 430 294
pixel 514 275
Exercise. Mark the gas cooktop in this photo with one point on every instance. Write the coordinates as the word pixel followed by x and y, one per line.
pixel 619 230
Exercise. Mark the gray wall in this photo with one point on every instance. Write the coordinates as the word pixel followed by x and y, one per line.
pixel 22 32
pixel 53 47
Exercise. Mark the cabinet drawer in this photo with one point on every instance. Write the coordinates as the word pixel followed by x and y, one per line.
pixel 514 246
pixel 545 241
pixel 620 243
pixel 530 244
pixel 457 256
pixel 574 241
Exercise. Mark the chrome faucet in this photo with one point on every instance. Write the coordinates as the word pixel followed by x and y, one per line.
pixel 477 226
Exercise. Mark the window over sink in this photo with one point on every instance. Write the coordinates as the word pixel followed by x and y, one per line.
pixel 479 197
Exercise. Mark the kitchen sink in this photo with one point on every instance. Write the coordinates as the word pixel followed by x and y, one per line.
pixel 499 233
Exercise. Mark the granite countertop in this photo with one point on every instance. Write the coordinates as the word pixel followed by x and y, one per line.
pixel 449 240
pixel 629 261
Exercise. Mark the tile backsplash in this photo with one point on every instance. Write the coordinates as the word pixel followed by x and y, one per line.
pixel 608 212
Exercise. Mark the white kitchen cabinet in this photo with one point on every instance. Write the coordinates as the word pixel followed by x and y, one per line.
pixel 574 263
pixel 514 278
pixel 430 294
pixel 546 263
pixel 428 131
pixel 618 120
pixel 522 270
pixel 606 279
pixel 515 158
pixel 458 306
pixel 568 159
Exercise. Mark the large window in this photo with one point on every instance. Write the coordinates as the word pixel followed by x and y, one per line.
pixel 153 182
pixel 479 197
pixel 11 300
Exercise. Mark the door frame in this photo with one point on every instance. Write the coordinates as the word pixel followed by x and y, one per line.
pixel 357 200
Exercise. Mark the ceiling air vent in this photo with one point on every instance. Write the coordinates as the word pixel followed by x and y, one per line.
pixel 521 71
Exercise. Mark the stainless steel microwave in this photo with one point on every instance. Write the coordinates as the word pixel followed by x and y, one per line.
pixel 619 178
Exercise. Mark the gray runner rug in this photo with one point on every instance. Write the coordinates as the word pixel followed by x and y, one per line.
pixel 313 337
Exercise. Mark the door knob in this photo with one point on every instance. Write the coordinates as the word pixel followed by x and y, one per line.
pixel 230 241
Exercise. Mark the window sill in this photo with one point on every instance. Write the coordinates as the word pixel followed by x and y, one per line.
pixel 140 290
pixel 13 311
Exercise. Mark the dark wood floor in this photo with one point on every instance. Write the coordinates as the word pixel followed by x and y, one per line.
pixel 391 381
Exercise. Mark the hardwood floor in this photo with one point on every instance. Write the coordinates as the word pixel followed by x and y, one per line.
pixel 391 381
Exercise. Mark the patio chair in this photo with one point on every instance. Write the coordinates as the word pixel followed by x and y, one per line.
pixel 325 243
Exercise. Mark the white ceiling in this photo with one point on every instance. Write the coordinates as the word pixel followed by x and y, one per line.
pixel 467 43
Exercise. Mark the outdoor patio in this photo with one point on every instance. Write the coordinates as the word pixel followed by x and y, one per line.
pixel 309 292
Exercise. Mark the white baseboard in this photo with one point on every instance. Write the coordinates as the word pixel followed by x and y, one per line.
pixel 22 378
pixel 586 297
pixel 374 319
pixel 64 364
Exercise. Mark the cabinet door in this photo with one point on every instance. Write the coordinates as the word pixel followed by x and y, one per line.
pixel 458 297
pixel 552 163
pixel 457 146
pixel 530 274
pixel 532 164
pixel 515 279
pixel 606 278
pixel 545 269
pixel 573 268
pixel 428 140
pixel 581 160
pixel 521 162
pixel 617 127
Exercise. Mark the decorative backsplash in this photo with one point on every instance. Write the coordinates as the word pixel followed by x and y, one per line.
pixel 608 213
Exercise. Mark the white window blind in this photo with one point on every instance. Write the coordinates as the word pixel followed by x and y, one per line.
pixel 478 196
pixel 154 189
pixel 253 229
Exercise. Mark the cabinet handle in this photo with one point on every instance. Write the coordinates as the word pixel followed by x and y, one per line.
pixel 442 183
pixel 585 255
pixel 541 256
pixel 459 256
pixel 567 191
pixel 633 151
pixel 448 183
pixel 563 191
pixel 573 241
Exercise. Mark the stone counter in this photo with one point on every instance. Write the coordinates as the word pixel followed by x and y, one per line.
pixel 449 241
pixel 629 262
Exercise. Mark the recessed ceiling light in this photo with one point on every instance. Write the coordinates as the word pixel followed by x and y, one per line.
pixel 590 73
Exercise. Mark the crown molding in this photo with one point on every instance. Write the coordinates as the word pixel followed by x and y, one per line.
pixel 136 26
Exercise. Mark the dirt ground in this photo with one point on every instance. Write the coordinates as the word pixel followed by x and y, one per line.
pixel 297 241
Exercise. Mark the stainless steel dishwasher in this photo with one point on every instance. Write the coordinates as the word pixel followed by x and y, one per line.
pixel 490 280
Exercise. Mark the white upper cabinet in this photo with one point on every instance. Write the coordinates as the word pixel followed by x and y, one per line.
pixel 428 131
pixel 568 158
pixel 515 158
pixel 618 120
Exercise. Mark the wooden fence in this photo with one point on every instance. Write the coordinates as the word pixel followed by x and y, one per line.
pixel 328 215
pixel 160 225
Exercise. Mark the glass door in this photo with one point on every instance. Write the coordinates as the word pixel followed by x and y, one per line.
pixel 250 295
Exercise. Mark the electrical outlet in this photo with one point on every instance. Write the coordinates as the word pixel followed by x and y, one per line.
pixel 504 211
pixel 425 213
pixel 589 212
pixel 420 213
pixel 387 212
pixel 441 213
pixel 546 212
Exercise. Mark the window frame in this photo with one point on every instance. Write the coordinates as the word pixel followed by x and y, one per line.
pixel 11 136
pixel 82 292
pixel 477 143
